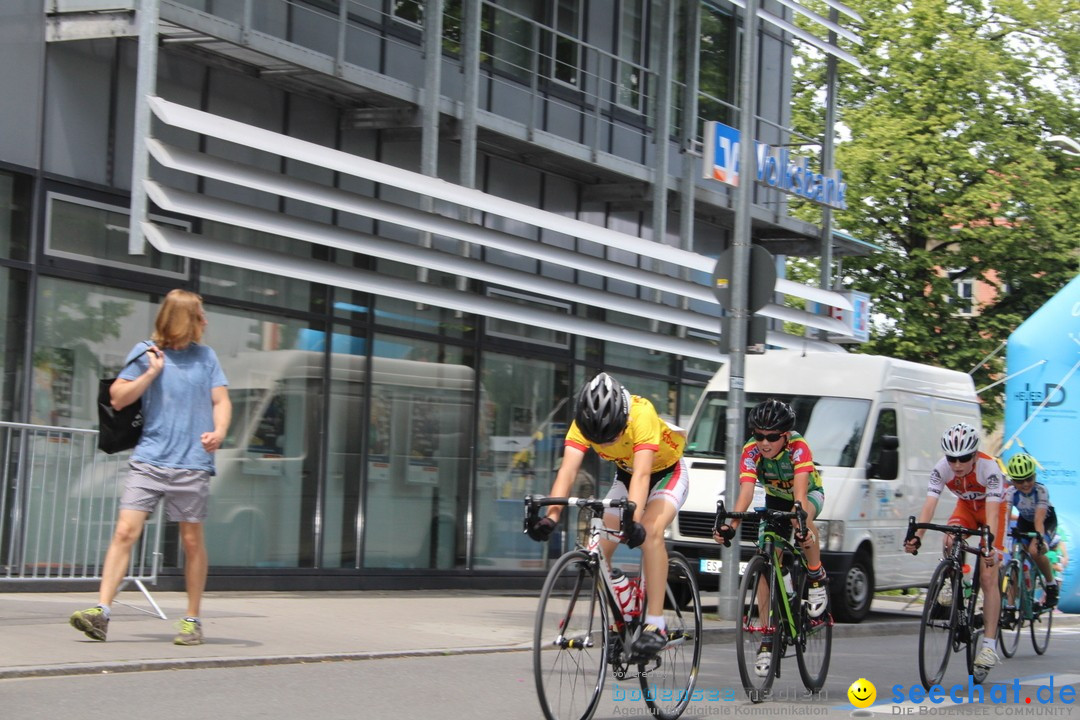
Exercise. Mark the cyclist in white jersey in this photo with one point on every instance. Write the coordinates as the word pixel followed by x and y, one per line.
pixel 1032 501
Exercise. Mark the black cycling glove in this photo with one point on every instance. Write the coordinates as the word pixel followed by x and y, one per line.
pixel 542 529
pixel 636 536
pixel 726 532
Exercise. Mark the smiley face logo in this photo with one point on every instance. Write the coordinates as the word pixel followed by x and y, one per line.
pixel 862 693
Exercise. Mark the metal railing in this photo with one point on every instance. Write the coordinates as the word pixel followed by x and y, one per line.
pixel 59 499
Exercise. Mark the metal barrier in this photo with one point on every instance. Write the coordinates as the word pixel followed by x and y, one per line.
pixel 59 499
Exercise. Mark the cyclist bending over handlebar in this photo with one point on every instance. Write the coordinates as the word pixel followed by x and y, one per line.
pixel 650 470
pixel 975 478
pixel 1032 500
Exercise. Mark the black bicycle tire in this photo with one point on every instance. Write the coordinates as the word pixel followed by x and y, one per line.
pixel 1009 639
pixel 596 595
pixel 976 632
pixel 757 689
pixel 1044 614
pixel 813 683
pixel 679 567
pixel 944 572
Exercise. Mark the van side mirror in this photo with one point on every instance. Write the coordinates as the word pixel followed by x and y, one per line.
pixel 887 465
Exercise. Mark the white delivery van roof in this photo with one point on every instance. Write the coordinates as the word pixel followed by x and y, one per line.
pixel 789 372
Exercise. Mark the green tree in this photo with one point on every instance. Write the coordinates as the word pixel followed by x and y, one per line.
pixel 947 170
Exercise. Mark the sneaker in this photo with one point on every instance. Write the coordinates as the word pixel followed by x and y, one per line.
pixel 93 622
pixel 1051 595
pixel 986 658
pixel 651 641
pixel 817 598
pixel 190 632
pixel 763 662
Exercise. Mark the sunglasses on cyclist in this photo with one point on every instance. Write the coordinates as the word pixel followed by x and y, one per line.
pixel 771 437
pixel 1023 480
pixel 962 458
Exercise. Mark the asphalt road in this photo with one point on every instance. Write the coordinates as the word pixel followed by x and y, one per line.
pixel 500 686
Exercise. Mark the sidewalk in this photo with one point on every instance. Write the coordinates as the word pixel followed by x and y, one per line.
pixel 262 628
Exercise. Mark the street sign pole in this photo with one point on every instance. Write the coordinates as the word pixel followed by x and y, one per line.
pixel 727 602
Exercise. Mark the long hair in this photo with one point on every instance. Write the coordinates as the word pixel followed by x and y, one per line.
pixel 179 320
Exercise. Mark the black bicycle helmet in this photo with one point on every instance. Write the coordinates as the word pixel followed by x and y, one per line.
pixel 603 408
pixel 772 414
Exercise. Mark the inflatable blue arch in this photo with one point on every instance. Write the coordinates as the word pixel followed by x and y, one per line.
pixel 1042 414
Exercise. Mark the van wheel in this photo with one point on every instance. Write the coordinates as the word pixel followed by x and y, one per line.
pixel 852 594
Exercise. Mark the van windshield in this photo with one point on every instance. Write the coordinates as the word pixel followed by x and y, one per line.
pixel 832 426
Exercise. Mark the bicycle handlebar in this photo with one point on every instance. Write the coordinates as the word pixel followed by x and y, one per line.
pixel 987 537
pixel 533 503
pixel 761 513
pixel 1017 535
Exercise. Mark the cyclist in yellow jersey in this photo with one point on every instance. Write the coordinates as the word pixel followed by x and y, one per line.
pixel 650 470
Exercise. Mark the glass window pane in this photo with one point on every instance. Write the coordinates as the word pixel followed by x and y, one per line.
pixel 525 411
pixel 420 435
pixel 239 283
pixel 98 233
pixel 263 497
pixel 14 216
pixel 14 294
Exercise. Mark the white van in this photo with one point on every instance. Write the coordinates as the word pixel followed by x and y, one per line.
pixel 874 425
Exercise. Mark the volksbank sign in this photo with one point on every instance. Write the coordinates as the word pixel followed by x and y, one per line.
pixel 776 167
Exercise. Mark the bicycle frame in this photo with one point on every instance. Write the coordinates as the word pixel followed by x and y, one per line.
pixel 772 545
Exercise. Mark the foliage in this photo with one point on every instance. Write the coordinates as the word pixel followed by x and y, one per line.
pixel 942 149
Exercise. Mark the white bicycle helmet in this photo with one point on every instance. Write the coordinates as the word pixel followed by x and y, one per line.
pixel 961 439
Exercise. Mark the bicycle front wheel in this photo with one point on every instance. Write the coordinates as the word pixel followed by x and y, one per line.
pixel 1042 617
pixel 938 624
pixel 668 687
pixel 1012 617
pixel 813 647
pixel 570 639
pixel 758 631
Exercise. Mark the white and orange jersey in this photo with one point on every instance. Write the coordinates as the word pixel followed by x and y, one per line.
pixel 984 482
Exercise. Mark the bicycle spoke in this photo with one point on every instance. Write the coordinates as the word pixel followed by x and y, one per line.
pixel 937 628
pixel 1042 617
pixel 758 630
pixel 813 647
pixel 669 685
pixel 1012 618
pixel 569 641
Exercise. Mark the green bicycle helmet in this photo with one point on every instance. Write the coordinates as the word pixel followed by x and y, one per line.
pixel 1021 466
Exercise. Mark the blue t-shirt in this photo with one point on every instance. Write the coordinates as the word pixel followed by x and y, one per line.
pixel 177 407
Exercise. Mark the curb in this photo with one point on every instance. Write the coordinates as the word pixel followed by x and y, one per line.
pixel 710 636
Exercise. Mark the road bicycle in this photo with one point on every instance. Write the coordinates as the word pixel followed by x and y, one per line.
pixel 951 617
pixel 1023 598
pixel 581 627
pixel 780 620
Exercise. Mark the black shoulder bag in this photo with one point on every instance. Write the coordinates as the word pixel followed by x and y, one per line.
pixel 118 429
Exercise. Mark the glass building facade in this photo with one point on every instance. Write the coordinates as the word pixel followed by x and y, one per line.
pixel 375 439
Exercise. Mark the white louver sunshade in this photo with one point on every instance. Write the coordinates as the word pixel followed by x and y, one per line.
pixel 277 144
pixel 178 242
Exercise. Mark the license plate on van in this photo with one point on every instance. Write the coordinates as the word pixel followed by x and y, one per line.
pixel 711 566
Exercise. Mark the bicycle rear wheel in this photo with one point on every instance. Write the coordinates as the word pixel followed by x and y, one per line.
pixel 759 627
pixel 938 624
pixel 668 687
pixel 813 647
pixel 1042 617
pixel 1012 618
pixel 570 639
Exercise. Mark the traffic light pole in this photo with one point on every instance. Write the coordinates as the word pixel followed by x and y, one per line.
pixel 727 606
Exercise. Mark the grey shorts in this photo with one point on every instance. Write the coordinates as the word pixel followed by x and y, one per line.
pixel 186 491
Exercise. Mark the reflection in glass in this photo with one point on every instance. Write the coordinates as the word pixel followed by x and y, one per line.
pixel 13 298
pixel 419 432
pixel 525 412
